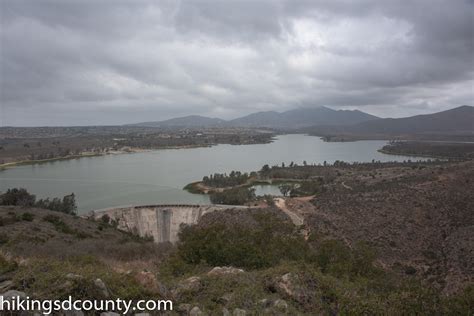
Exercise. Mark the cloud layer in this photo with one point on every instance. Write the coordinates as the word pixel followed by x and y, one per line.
pixel 112 62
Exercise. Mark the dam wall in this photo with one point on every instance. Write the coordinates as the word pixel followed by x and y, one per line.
pixel 162 222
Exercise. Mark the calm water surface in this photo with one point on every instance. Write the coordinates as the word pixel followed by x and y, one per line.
pixel 159 176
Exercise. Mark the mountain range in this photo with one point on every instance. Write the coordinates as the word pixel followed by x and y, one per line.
pixel 292 119
pixel 459 120
pixel 323 121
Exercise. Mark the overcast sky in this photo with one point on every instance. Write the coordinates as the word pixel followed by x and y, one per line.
pixel 113 62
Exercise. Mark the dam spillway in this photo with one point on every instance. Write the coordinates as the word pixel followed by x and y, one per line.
pixel 162 222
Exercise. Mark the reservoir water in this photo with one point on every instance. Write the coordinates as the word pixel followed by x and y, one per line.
pixel 158 176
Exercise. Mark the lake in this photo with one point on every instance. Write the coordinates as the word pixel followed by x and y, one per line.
pixel 158 176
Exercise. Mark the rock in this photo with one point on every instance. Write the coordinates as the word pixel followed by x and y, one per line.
pixel 142 314
pixel 183 308
pixel 217 271
pixel 195 311
pixel 265 302
pixel 4 277
pixel 72 276
pixel 239 312
pixel 148 280
pixel 290 286
pixel 102 287
pixel 73 313
pixel 280 304
pixel 192 284
pixel 8 295
pixel 225 299
pixel 225 312
pixel 6 285
pixel 109 314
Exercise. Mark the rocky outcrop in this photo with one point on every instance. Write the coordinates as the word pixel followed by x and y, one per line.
pixel 218 271
pixel 290 286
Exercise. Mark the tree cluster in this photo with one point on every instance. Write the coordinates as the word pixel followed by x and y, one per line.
pixel 21 197
pixel 236 196
pixel 222 180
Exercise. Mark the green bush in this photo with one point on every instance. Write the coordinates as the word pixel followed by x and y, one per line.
pixel 64 228
pixel 3 238
pixel 271 241
pixel 336 258
pixel 21 197
pixel 236 196
pixel 27 217
pixel 7 265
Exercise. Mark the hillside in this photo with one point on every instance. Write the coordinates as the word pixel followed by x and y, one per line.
pixel 292 119
pixel 303 117
pixel 453 122
pixel 185 121
pixel 389 239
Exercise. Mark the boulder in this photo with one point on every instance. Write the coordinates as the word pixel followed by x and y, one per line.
pixel 218 271
pixel 101 287
pixel 72 276
pixel 8 295
pixel 265 302
pixel 6 285
pixel 109 314
pixel 195 311
pixel 239 312
pixel 183 308
pixel 225 312
pixel 191 284
pixel 290 286
pixel 148 280
pixel 280 304
pixel 225 299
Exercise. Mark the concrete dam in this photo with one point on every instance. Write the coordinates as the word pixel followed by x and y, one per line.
pixel 162 222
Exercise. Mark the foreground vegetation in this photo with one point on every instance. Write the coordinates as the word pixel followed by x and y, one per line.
pixel 318 276
pixel 21 197
pixel 378 239
pixel 272 268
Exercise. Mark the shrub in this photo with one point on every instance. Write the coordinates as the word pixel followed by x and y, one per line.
pixel 62 227
pixel 236 196
pixel 6 265
pixel 27 217
pixel 271 241
pixel 19 197
pixel 3 238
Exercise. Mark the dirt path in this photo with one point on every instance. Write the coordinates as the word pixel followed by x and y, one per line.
pixel 295 218
pixel 346 186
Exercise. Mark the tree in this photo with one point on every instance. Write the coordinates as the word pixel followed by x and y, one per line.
pixel 286 189
pixel 19 197
pixel 265 169
pixel 69 204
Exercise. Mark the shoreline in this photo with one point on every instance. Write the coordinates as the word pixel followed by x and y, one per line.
pixel 197 187
pixel 381 150
pixel 14 164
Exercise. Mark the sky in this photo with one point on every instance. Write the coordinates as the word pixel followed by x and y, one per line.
pixel 99 62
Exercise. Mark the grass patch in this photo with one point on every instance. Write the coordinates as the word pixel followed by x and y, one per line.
pixel 48 279
pixel 62 227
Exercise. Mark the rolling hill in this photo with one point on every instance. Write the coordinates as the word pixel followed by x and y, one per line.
pixel 457 121
pixel 303 117
pixel 185 121
pixel 293 119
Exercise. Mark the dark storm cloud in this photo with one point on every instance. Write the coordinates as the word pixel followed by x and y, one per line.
pixel 108 62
